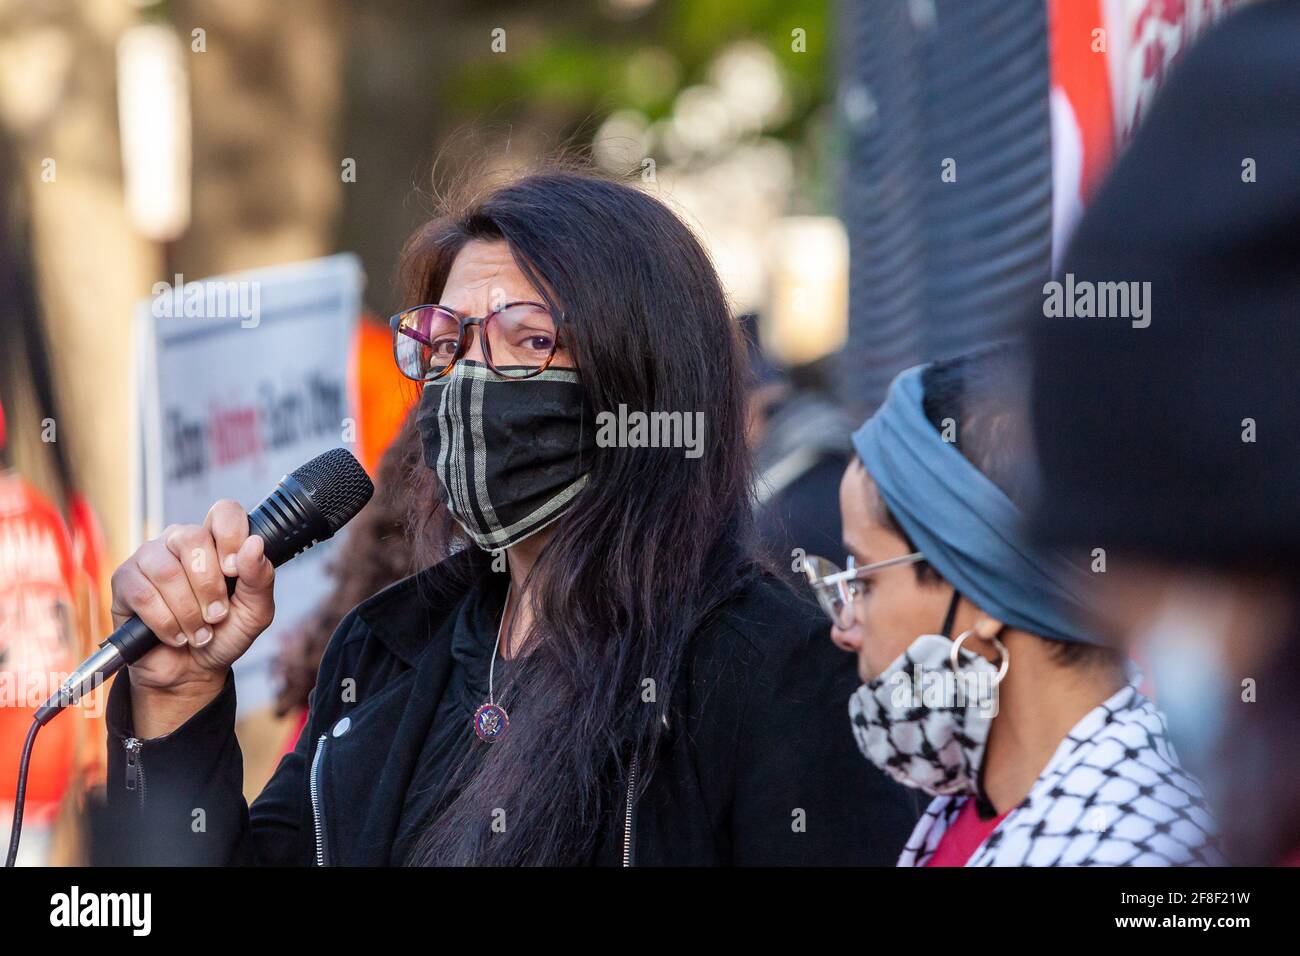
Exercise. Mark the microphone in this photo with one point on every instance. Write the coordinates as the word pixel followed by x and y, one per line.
pixel 305 508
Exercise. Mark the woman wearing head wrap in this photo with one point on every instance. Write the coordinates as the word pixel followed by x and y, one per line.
pixel 982 688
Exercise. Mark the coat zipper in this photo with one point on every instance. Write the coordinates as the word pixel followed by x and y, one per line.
pixel 134 767
pixel 317 812
pixel 629 815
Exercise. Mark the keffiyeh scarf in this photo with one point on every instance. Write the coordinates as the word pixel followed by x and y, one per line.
pixel 1113 794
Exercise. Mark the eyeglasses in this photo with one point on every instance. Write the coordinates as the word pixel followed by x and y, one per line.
pixel 519 339
pixel 836 589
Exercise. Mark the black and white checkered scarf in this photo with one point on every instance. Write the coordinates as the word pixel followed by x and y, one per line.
pixel 1112 795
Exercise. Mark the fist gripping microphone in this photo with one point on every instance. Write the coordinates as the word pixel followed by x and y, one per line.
pixel 306 507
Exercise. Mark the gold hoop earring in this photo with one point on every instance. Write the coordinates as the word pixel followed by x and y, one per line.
pixel 1004 656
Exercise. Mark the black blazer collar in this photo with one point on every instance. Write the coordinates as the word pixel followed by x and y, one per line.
pixel 398 616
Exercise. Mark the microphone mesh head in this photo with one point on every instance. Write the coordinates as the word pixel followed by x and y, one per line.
pixel 337 484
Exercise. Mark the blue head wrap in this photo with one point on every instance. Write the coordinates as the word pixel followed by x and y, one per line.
pixel 968 530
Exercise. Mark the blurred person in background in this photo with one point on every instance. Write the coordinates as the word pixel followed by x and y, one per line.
pixel 983 687
pixel 1174 448
pixel 52 604
pixel 800 439
pixel 38 643
pixel 595 670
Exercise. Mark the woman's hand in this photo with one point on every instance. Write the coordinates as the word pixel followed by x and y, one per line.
pixel 176 584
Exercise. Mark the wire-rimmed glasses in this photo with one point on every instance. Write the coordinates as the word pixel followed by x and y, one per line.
pixel 836 589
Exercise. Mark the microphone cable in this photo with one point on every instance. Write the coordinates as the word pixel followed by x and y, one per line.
pixel 20 796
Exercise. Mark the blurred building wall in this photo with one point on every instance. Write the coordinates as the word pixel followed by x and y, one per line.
pixel 267 96
pixel 962 118
pixel 947 186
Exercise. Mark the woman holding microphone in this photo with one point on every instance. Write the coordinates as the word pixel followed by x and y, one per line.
pixel 594 670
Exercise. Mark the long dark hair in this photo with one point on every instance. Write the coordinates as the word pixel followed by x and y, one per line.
pixel 656 540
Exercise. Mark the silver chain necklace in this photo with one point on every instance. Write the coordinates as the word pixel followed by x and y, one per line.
pixel 491 720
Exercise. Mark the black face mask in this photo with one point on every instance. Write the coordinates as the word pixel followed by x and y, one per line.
pixel 510 455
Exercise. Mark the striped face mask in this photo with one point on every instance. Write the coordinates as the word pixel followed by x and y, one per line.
pixel 510 455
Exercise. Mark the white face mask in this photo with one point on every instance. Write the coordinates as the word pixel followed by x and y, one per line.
pixel 925 723
pixel 1183 652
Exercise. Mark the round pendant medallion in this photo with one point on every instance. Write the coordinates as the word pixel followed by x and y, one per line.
pixel 490 722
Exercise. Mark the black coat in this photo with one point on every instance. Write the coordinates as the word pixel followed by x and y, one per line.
pixel 762 768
